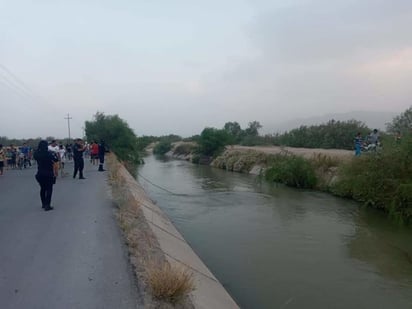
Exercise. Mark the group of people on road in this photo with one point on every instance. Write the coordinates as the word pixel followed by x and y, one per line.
pixel 12 157
pixel 51 158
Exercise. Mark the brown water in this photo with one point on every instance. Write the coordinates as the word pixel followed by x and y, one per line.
pixel 277 247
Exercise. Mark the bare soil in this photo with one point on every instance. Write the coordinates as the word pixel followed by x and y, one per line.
pixel 305 152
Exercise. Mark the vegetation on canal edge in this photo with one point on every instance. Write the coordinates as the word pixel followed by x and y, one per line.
pixel 291 170
pixel 162 147
pixel 381 180
pixel 170 283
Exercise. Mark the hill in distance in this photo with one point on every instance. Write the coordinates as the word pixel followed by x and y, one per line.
pixel 373 119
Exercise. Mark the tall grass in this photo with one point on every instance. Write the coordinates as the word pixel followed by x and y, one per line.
pixel 291 170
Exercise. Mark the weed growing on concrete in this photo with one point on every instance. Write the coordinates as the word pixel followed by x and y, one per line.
pixel 169 283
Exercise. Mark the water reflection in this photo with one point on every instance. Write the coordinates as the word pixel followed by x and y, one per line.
pixel 383 245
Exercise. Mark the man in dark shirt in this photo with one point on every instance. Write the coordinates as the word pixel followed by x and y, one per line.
pixel 78 150
pixel 102 150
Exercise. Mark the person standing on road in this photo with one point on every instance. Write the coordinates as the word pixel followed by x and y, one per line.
pixel 78 150
pixel 94 152
pixel 45 173
pixel 53 147
pixel 62 156
pixel 25 150
pixel 2 159
pixel 102 150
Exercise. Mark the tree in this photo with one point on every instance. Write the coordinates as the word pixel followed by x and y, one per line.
pixel 402 123
pixel 162 147
pixel 253 128
pixel 212 141
pixel 117 135
pixel 234 130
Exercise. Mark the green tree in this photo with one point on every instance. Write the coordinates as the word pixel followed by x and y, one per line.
pixel 117 134
pixel 253 128
pixel 212 141
pixel 401 123
pixel 162 147
pixel 234 130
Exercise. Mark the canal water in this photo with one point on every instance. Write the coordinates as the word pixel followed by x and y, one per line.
pixel 277 247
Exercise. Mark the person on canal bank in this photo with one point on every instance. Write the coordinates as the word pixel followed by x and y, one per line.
pixel 78 150
pixel 102 150
pixel 45 176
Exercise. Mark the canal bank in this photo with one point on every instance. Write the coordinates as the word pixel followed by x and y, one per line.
pixel 156 239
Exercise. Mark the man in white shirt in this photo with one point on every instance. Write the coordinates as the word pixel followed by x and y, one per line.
pixel 54 148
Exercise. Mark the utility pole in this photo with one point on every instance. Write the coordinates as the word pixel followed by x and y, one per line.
pixel 68 124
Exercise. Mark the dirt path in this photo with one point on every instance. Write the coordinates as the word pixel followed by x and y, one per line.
pixel 306 152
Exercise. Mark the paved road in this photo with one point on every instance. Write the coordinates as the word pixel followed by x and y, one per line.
pixel 70 257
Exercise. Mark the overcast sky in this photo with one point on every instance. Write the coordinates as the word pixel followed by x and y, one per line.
pixel 176 66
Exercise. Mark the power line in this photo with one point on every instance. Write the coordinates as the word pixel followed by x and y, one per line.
pixel 8 84
pixel 18 86
pixel 18 81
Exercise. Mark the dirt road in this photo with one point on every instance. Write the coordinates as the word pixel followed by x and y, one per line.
pixel 306 152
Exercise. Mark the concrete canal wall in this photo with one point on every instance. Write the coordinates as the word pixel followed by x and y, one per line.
pixel 209 292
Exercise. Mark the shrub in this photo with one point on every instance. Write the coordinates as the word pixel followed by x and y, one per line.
pixel 169 283
pixel 162 147
pixel 292 171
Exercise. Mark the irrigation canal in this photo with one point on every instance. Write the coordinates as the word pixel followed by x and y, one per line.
pixel 277 247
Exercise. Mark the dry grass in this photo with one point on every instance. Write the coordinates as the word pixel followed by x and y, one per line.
pixel 169 283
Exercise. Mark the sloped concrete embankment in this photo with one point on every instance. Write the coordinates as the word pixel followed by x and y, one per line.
pixel 208 293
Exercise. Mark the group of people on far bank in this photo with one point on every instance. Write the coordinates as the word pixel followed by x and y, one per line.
pixel 50 159
pixel 371 142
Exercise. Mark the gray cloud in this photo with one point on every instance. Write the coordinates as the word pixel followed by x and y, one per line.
pixel 178 67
